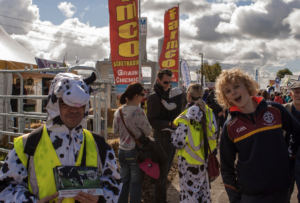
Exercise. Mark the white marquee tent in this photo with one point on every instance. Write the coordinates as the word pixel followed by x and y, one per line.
pixel 13 56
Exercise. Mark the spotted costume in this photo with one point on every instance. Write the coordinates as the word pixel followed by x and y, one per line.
pixel 75 91
pixel 193 178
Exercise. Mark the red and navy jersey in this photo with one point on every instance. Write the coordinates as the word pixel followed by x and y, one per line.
pixel 263 164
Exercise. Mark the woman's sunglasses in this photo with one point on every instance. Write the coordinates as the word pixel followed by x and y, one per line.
pixel 167 82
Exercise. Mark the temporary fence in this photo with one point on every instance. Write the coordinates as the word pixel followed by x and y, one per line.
pixel 102 85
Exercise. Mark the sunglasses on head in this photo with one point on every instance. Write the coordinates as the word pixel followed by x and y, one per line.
pixel 167 82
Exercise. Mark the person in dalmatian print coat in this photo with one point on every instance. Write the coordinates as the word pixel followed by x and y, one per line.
pixel 193 177
pixel 68 106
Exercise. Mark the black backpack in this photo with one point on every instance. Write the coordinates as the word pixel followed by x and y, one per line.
pixel 35 136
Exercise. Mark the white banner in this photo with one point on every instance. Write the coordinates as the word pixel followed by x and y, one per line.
pixel 256 75
pixel 277 84
pixel 185 72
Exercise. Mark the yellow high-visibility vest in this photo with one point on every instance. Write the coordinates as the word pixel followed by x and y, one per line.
pixel 193 152
pixel 45 159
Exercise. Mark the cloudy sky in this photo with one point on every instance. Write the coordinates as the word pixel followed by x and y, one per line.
pixel 237 33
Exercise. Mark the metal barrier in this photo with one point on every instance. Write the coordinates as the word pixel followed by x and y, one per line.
pixel 22 115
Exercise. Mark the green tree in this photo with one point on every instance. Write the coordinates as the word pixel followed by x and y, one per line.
pixel 283 72
pixel 211 72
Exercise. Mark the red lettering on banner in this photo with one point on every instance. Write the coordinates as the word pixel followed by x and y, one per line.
pixel 124 40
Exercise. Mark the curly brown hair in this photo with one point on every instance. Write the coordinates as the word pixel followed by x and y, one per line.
pixel 232 76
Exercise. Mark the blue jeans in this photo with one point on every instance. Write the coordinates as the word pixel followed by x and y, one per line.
pixel 160 188
pixel 132 177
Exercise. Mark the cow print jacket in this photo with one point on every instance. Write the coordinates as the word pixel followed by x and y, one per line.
pixel 67 143
pixel 193 181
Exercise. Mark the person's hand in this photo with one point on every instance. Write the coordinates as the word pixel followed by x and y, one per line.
pixel 162 101
pixel 173 125
pixel 86 198
pixel 51 197
pixel 220 114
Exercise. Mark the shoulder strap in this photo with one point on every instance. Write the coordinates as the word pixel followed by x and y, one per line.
pixel 32 142
pixel 102 146
pixel 130 133
pixel 206 143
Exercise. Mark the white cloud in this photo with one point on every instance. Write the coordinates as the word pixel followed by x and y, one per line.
pixel 293 21
pixel 67 9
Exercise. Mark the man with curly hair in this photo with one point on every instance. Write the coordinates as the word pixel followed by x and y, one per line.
pixel 254 132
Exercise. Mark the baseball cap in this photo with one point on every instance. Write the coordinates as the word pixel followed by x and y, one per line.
pixel 295 85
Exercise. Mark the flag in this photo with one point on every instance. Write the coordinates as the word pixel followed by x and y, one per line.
pixel 124 42
pixel 77 59
pixel 170 51
pixel 185 71
pixel 65 57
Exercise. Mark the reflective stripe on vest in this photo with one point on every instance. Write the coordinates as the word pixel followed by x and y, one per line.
pixel 45 159
pixel 194 149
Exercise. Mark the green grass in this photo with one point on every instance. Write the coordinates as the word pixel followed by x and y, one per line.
pixel 87 183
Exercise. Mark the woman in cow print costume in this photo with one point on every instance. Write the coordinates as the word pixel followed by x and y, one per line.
pixel 74 91
pixel 193 179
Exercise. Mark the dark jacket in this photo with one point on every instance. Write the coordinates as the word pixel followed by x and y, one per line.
pixel 157 114
pixel 153 150
pixel 14 102
pixel 205 95
pixel 263 164
pixel 213 104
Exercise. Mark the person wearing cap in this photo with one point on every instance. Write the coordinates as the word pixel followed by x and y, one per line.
pixel 294 108
pixel 27 173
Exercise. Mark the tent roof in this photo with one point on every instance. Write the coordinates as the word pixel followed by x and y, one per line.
pixel 13 51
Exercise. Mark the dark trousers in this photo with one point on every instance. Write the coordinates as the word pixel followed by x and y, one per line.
pixel 297 172
pixel 279 197
pixel 160 188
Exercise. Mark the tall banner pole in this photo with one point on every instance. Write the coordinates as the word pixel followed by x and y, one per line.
pixel 140 48
pixel 179 72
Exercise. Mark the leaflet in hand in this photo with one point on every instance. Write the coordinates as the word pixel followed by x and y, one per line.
pixel 70 180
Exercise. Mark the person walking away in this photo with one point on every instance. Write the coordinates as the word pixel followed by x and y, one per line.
pixel 27 175
pixel 294 109
pixel 160 119
pixel 205 95
pixel 16 89
pixel 265 95
pixel 136 121
pixel 192 163
pixel 272 97
pixel 217 109
pixel 254 135
pixel 278 99
pixel 288 97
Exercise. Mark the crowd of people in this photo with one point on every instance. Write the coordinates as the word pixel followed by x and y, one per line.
pixel 259 141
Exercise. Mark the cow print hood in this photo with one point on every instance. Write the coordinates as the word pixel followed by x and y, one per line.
pixel 74 91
